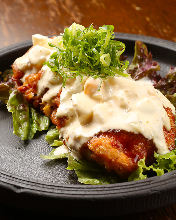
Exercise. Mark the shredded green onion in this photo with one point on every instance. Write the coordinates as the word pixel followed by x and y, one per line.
pixel 88 52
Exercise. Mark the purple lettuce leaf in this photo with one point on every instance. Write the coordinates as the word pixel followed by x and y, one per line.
pixel 167 85
pixel 6 84
pixel 142 64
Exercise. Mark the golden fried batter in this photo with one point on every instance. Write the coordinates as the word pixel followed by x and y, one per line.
pixel 120 151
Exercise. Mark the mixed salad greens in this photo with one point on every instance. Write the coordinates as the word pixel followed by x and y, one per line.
pixel 94 53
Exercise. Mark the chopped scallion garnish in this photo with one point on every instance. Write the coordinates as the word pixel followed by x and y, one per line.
pixel 88 52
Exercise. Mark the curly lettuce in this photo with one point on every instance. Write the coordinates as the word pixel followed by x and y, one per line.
pixel 87 172
pixel 164 164
pixel 142 64
pixel 167 85
pixel 6 85
pixel 91 173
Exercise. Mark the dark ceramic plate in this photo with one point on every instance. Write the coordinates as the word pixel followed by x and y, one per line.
pixel 26 181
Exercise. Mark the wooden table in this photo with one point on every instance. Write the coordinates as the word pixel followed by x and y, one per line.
pixel 19 19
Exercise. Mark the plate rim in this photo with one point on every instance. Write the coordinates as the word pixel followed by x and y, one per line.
pixel 118 35
pixel 115 190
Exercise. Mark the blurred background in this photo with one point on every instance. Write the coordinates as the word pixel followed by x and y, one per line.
pixel 19 19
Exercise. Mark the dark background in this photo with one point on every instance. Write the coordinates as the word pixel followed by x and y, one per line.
pixel 19 19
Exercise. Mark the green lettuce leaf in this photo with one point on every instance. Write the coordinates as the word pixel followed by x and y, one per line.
pixel 38 122
pixel 20 113
pixel 52 137
pixel 164 163
pixel 57 153
pixel 26 121
pixel 87 172
pixel 91 173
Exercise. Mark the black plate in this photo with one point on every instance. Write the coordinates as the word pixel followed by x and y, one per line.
pixel 26 181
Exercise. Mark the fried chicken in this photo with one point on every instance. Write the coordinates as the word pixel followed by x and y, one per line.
pixel 120 151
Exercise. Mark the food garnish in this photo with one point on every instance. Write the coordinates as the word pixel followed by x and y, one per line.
pixel 88 52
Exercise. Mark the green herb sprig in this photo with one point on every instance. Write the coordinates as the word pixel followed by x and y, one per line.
pixel 88 52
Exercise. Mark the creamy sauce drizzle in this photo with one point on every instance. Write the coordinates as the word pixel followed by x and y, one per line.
pixel 32 61
pixel 93 106
pixel 120 103
pixel 49 81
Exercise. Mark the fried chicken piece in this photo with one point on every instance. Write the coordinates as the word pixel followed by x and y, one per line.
pixel 120 151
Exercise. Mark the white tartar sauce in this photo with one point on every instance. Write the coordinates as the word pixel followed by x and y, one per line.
pixel 94 106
